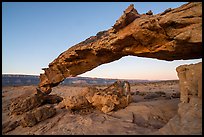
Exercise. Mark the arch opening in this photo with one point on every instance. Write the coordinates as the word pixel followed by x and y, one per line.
pixel 132 67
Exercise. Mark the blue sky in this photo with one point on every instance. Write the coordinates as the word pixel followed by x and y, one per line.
pixel 35 33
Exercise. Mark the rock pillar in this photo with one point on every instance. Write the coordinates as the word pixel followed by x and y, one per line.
pixel 189 117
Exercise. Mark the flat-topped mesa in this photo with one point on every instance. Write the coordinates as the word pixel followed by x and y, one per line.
pixel 174 34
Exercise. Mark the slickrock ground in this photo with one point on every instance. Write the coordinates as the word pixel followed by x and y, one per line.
pixel 153 106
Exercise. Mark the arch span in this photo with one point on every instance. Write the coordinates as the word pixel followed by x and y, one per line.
pixel 174 34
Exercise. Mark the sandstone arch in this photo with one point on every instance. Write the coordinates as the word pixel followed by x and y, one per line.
pixel 172 35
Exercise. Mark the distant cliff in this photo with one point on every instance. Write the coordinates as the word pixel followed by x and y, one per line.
pixel 21 80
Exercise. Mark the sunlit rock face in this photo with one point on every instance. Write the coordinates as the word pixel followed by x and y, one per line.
pixel 190 81
pixel 174 34
pixel 189 117
pixel 171 35
pixel 112 98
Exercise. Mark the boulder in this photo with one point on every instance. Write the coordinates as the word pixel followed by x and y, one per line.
pixel 21 105
pixel 114 97
pixel 76 102
pixel 37 115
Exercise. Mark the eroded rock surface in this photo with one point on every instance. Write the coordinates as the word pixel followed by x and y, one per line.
pixel 23 104
pixel 115 97
pixel 172 35
pixel 9 126
pixel 190 81
pixel 33 117
pixel 126 121
pixel 28 110
pixel 189 117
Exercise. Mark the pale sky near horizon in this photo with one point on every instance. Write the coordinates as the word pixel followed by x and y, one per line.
pixel 35 33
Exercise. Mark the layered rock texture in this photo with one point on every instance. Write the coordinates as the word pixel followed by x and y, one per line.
pixel 141 116
pixel 31 110
pixel 171 35
pixel 37 115
pixel 189 117
pixel 114 97
pixel 24 104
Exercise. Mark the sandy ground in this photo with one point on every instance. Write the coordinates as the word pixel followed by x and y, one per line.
pixel 142 116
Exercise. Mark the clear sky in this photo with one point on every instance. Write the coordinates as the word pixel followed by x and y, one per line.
pixel 35 33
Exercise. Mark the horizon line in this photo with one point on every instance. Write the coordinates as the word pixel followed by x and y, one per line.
pixel 91 77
